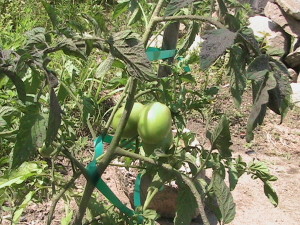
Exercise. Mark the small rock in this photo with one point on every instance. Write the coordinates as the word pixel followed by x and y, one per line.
pixel 274 36
pixel 293 75
pixel 295 94
pixel 288 23
pixel 291 7
pixel 293 59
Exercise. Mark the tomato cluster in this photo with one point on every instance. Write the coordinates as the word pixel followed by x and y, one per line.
pixel 152 122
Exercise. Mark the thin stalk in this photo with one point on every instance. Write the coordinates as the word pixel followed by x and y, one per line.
pixel 110 119
pixel 150 196
pixel 170 169
pixel 109 154
pixel 144 14
pixel 151 24
pixel 203 164
pixel 189 17
pixel 59 195
pixel 79 105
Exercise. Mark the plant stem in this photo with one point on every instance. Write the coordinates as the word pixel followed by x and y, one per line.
pixel 59 195
pixel 150 196
pixel 170 169
pixel 203 164
pixel 110 119
pixel 92 131
pixel 152 23
pixel 190 17
pixel 109 154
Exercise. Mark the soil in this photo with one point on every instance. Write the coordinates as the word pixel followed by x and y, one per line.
pixel 276 144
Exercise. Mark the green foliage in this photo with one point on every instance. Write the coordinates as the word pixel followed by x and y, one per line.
pixel 59 83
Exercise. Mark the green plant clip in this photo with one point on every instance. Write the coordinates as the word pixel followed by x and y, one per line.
pixel 157 54
pixel 100 184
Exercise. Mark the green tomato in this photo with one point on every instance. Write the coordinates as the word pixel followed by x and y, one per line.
pixel 130 129
pixel 154 123
pixel 164 145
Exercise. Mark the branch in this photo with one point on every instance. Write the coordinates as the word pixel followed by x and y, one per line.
pixel 170 169
pixel 109 154
pixel 190 17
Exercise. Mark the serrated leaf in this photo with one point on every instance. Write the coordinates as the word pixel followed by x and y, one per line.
pixel 51 13
pixel 36 39
pixel 121 8
pixel 237 63
pixel 18 212
pixel 261 98
pixel 222 8
pixel 69 48
pixel 271 193
pixel 233 177
pixel 248 38
pixel 220 137
pixel 215 44
pixel 30 135
pixel 104 67
pixel 190 37
pixel 136 13
pixel 186 206
pixel 21 174
pixel 125 46
pixel 17 81
pixel 279 97
pixel 54 118
pixel 175 6
pixel 258 68
pixel 224 198
pixel 88 108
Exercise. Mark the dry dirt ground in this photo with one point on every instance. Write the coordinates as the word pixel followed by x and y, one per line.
pixel 277 144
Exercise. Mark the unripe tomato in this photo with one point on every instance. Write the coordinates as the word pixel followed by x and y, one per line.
pixel 164 145
pixel 154 123
pixel 130 129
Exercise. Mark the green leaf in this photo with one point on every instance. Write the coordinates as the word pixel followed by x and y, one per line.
pixel 224 198
pixel 261 98
pixel 69 48
pixel 54 118
pixel 220 137
pixel 136 13
pixel 271 193
pixel 223 8
pixel 237 63
pixel 121 8
pixel 186 206
pixel 258 68
pixel 88 108
pixel 233 22
pixel 233 176
pixel 24 172
pixel 279 97
pixel 189 38
pixel 246 36
pixel 36 39
pixel 215 44
pixel 51 13
pixel 17 81
pixel 104 67
pixel 17 214
pixel 175 6
pixel 30 135
pixel 125 46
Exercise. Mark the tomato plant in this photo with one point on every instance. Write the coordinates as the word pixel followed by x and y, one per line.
pixel 58 89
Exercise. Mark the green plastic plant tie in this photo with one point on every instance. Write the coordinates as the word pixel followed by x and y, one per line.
pixel 99 183
pixel 137 191
pixel 156 53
